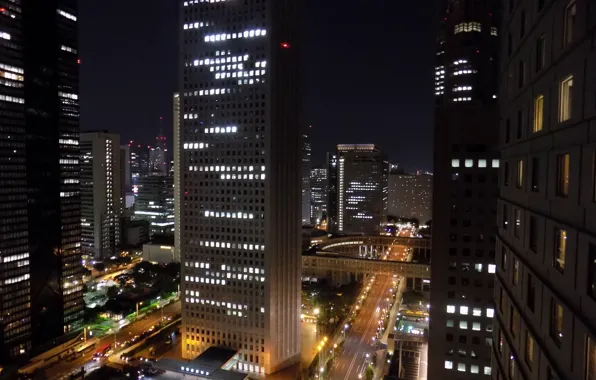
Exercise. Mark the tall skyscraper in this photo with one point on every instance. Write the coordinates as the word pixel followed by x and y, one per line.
pixel 466 162
pixel 241 165
pixel 155 203
pixel 306 165
pixel 177 165
pixel 361 188
pixel 40 261
pixel 101 198
pixel 318 194
pixel 410 196
pixel 158 155
pixel 138 158
pixel 331 162
pixel 545 291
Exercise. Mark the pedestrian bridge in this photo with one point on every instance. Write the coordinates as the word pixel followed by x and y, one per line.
pixel 337 263
pixel 353 244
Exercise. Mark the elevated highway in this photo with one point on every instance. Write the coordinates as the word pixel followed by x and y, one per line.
pixel 364 266
pixel 362 245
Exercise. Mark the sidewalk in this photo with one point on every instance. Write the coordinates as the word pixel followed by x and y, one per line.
pixel 394 310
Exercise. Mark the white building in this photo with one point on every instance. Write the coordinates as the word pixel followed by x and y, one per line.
pixel 240 143
pixel 159 253
pixel 101 202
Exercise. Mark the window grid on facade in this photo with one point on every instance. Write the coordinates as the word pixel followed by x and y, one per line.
pixel 538 113
pixel 565 98
pixel 562 175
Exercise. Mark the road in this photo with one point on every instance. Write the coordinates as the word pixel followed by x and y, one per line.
pixel 64 368
pixel 359 337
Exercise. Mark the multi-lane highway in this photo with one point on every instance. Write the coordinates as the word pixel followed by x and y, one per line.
pixel 63 369
pixel 359 342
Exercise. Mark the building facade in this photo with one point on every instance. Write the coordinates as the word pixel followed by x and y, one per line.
pixel 410 196
pixel 101 198
pixel 546 248
pixel 158 155
pixel 137 158
pixel 331 161
pixel 318 195
pixel 362 177
pixel 40 257
pixel 177 173
pixel 155 203
pixel 466 162
pixel 306 165
pixel 241 163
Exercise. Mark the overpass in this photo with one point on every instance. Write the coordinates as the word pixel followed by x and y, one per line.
pixel 355 265
pixel 366 244
pixel 342 269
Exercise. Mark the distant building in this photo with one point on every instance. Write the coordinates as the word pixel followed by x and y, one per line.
pixel 101 201
pixel 134 232
pixel 138 160
pixel 361 188
pixel 410 196
pixel 176 166
pixel 160 250
pixel 306 163
pixel 155 203
pixel 318 194
pixel 158 155
pixel 331 163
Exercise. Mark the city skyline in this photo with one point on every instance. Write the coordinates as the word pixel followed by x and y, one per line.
pixel 133 49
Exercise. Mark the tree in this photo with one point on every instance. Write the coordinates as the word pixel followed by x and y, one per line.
pixel 369 373
pixel 100 267
pixel 112 292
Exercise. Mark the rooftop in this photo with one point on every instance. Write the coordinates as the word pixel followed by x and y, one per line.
pixel 208 365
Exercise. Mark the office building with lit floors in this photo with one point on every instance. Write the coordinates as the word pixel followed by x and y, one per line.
pixel 101 201
pixel 240 142
pixel 465 189
pixel 318 195
pixel 545 291
pixel 155 203
pixel 40 260
pixel 362 180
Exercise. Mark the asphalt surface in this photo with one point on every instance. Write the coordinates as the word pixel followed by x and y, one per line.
pixel 359 337
pixel 64 368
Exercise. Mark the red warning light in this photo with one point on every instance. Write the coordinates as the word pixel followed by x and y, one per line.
pixel 79 61
pixel 285 45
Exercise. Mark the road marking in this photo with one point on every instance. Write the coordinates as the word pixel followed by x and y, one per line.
pixel 351 365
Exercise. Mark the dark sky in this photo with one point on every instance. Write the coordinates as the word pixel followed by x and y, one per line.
pixel 367 70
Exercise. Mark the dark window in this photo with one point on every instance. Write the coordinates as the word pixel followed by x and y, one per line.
pixel 509 44
pixel 507 130
pixel 452 251
pixel 533 234
pixel 592 270
pixel 521 74
pixel 517 228
pixel 451 280
pixel 463 339
pixel 556 322
pixel 513 321
pixel 522 24
pixel 560 254
pixel 540 5
pixel 505 216
pixel 520 122
pixel 563 175
pixel 449 337
pixel 535 185
pixel 540 52
pixel 531 295
pixel 506 174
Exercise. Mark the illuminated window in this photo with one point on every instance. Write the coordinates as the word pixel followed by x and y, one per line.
pixel 448 364
pixel 515 272
pixel 529 354
pixel 463 325
pixel 461 367
pixel 492 268
pixel 565 98
pixel 463 310
pixel 465 27
pixel 570 11
pixel 563 175
pixel 517 227
pixel 455 163
pixel 519 175
pixel 476 326
pixel 481 163
pixel 538 113
pixel 469 163
pixel 556 322
pixel 490 312
pixel 513 321
pixel 495 163
pixel 540 52
pixel 493 32
pixel 450 309
pixel 487 371
pixel 560 249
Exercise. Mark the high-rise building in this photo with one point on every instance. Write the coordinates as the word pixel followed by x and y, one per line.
pixel 331 162
pixel 306 165
pixel 157 156
pixel 318 194
pixel 40 260
pixel 362 177
pixel 410 196
pixel 101 201
pixel 466 162
pixel 241 184
pixel 137 157
pixel 545 291
pixel 176 165
pixel 155 203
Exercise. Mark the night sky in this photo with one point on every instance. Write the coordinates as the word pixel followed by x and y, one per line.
pixel 367 72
